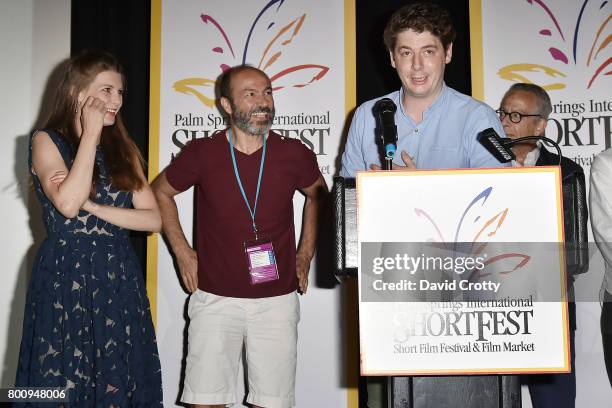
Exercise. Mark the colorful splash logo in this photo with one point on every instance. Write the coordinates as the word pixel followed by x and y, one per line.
pixel 566 49
pixel 277 37
pixel 473 233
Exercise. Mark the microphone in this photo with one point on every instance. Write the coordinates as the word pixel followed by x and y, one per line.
pixel 500 146
pixel 384 112
pixel 496 145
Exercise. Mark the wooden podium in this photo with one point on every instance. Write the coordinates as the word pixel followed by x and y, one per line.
pixel 473 391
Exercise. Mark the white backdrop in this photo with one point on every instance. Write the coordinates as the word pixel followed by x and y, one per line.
pixel 560 45
pixel 35 38
pixel 299 44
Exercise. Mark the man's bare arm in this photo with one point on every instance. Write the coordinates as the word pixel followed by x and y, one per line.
pixel 185 255
pixel 306 248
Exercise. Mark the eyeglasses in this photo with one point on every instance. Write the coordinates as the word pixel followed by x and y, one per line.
pixel 515 117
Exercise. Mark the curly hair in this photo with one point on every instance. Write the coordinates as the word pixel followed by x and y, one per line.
pixel 420 17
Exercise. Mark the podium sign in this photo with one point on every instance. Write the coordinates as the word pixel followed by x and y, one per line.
pixel 462 272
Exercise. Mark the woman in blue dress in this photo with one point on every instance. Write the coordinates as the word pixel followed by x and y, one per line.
pixel 87 325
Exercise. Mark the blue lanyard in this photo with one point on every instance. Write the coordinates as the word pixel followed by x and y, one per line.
pixel 261 166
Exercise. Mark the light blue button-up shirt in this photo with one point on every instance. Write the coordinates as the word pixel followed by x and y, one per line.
pixel 445 138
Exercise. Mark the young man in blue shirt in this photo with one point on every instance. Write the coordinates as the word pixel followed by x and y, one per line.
pixel 436 125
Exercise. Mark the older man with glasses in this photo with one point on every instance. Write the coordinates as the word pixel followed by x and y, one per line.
pixel 524 111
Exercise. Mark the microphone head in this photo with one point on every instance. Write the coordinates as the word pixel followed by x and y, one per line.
pixel 384 112
pixel 491 141
pixel 384 105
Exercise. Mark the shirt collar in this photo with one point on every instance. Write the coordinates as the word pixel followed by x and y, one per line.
pixel 530 159
pixel 437 103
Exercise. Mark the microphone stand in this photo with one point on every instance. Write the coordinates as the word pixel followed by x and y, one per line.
pixel 388 163
pixel 507 142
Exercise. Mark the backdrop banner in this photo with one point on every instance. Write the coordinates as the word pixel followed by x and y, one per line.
pixel 563 46
pixel 300 44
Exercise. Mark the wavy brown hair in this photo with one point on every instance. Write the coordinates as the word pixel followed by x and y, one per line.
pixel 121 154
pixel 420 17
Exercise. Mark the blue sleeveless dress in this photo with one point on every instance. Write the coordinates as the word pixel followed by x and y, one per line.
pixel 87 322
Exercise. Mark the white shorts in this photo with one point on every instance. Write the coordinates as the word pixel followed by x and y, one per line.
pixel 218 329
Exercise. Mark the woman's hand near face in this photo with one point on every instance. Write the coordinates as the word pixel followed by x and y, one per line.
pixel 92 118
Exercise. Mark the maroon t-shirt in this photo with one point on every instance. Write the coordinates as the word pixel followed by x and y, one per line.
pixel 223 222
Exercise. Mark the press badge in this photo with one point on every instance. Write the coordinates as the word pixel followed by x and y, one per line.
pixel 261 261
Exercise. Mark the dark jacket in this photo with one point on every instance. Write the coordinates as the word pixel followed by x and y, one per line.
pixel 569 168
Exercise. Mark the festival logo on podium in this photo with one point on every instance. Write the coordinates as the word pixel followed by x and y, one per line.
pixel 461 281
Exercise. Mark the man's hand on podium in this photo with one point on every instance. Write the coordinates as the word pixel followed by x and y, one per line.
pixel 409 164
